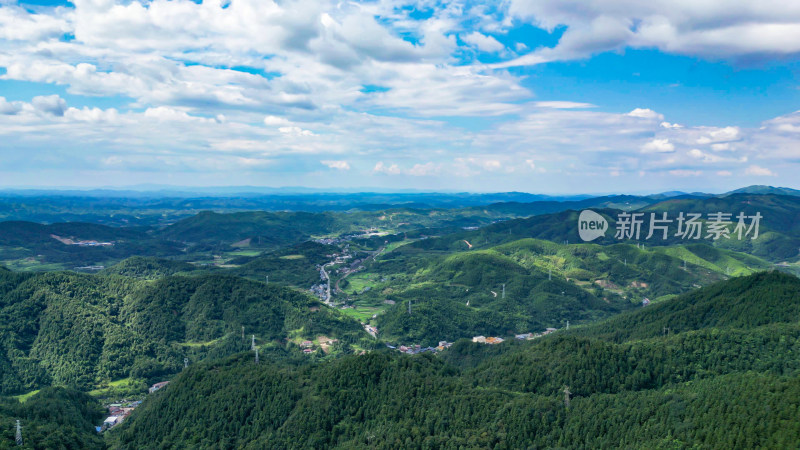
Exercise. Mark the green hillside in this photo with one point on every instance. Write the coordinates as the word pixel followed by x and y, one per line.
pixel 742 303
pixel 294 266
pixel 54 418
pixel 34 246
pixel 778 240
pixel 731 383
pixel 458 294
pixel 82 330
pixel 148 268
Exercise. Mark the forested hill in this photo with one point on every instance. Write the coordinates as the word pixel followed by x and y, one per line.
pixel 778 240
pixel 53 418
pixel 742 303
pixel 64 328
pixel 148 267
pixel 668 391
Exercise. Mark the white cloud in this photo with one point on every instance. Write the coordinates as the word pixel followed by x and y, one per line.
pixel 759 171
pixel 724 173
pixel 671 125
pixel 686 173
pixel 296 131
pixel 563 105
pixel 658 146
pixel 720 135
pixel 484 43
pixel 9 108
pixel 49 104
pixel 86 114
pixel 645 113
pixel 276 121
pixel 713 28
pixel 340 165
pixel 392 169
pixel 721 146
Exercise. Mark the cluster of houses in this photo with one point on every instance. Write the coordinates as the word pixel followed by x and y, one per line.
pixel 487 340
pixel 521 337
pixel 92 243
pixel 324 343
pixel 118 412
pixel 371 329
pixel 414 349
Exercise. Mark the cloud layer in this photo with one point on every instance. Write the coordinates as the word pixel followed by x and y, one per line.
pixel 398 93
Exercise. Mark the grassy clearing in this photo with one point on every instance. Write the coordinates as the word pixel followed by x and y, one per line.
pixel 31 265
pixel 293 257
pixel 121 387
pixel 244 253
pixel 357 282
pixel 395 245
pixel 362 313
pixel 24 397
pixel 199 344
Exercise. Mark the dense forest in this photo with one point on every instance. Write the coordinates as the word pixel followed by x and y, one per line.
pixel 80 330
pixel 721 383
pixel 530 284
pixel 707 361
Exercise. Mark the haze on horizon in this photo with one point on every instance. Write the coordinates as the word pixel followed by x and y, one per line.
pixel 552 97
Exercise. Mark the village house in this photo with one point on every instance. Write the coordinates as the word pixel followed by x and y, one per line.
pixel 157 386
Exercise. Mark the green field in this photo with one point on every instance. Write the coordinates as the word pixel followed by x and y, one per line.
pixel 362 313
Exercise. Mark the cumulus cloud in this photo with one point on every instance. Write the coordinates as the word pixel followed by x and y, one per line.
pixel 759 171
pixel 483 43
pixel 719 135
pixel 340 165
pixel 271 121
pixel 9 108
pixel 645 113
pixel 686 173
pixel 658 146
pixel 391 169
pixel 563 105
pixel 50 104
pixel 295 131
pixel 714 29
pixel 287 86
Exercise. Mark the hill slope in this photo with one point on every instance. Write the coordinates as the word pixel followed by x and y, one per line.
pixel 79 330
pixel 733 385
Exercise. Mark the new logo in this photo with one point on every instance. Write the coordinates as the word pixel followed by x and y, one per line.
pixel 591 225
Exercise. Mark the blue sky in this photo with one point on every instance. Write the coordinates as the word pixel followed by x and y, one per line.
pixel 550 96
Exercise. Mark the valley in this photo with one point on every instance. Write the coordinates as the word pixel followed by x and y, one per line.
pixel 500 310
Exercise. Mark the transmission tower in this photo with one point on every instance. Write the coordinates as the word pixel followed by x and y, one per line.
pixel 566 396
pixel 185 363
pixel 267 279
pixel 242 332
pixel 253 342
pixel 568 324
pixel 256 356
pixel 549 274
pixel 19 433
pixel 504 291
pixel 409 307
